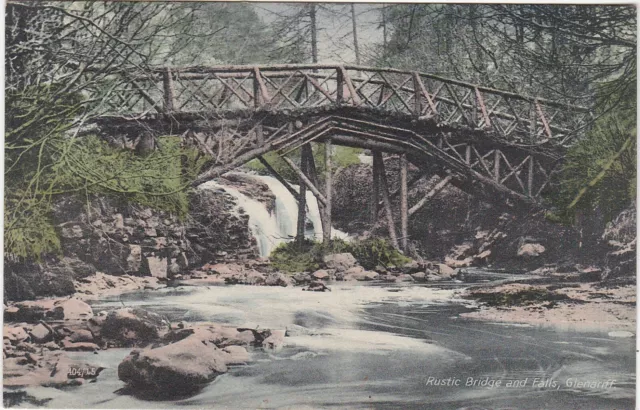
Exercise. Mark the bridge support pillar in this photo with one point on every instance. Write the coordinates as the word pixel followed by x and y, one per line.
pixel 404 206
pixel 326 228
pixel 302 202
pixel 378 167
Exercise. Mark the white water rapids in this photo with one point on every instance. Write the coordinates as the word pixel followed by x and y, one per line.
pixel 271 229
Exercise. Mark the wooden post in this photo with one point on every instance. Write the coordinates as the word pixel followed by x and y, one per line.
pixel 496 165
pixel 339 86
pixel 378 166
pixel 530 177
pixel 326 229
pixel 404 217
pixel 302 202
pixel 256 105
pixel 417 94
pixel 374 194
pixel 167 82
pixel 467 154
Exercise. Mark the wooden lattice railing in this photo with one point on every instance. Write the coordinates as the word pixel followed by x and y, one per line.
pixel 507 116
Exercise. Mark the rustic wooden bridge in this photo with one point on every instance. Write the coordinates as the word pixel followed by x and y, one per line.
pixel 496 144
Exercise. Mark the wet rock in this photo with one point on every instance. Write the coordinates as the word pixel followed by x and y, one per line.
pixel 320 275
pixel 132 327
pixel 246 337
pixel 41 333
pixel 302 277
pixel 253 277
pixel 275 341
pixel 371 275
pixel 446 271
pixel 236 355
pixel 431 277
pixel 278 279
pixel 134 259
pixel 317 286
pixel 79 346
pixel 404 278
pixel 178 368
pixel 339 261
pixel 419 276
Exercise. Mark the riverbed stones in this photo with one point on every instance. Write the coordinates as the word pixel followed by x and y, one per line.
pixel 339 261
pixel 175 369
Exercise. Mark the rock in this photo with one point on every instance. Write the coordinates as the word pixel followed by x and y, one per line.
pixel 246 337
pixel 15 334
pixel 134 260
pixel 41 333
pixel 72 309
pixel 529 250
pixel 433 278
pixel 446 271
pixel 419 276
pixel 482 256
pixel 175 369
pixel 371 275
pixel 72 267
pixel 302 277
pixel 275 341
pixel 118 221
pixel 320 275
pixel 404 278
pixel 51 346
pixel 411 267
pixel 355 273
pixel 224 268
pixel 278 279
pixel 132 327
pixel 253 277
pixel 81 335
pixel 157 267
pixel 79 346
pixel 237 355
pixel 339 261
pixel 317 286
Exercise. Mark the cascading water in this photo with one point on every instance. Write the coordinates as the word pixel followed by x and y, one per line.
pixel 271 229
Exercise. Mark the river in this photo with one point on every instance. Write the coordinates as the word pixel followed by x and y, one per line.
pixel 375 346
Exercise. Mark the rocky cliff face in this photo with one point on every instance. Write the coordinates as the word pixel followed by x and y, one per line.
pixel 455 227
pixel 116 238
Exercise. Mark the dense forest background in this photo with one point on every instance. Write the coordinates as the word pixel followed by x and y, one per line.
pixel 58 54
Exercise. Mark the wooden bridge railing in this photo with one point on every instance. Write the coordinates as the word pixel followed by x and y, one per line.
pixel 511 117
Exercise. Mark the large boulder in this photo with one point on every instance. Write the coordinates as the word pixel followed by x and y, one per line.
pixel 132 327
pixel 339 261
pixel 175 369
pixel 51 309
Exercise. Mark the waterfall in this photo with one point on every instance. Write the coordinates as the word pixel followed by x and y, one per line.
pixel 272 229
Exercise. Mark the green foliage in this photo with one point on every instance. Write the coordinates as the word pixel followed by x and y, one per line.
pixel 43 160
pixel 307 256
pixel 342 157
pixel 600 170
pixel 377 251
pixel 157 180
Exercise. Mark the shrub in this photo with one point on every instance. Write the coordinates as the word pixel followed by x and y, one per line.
pixel 307 256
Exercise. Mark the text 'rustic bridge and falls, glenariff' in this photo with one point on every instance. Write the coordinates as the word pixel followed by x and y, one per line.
pixel 498 145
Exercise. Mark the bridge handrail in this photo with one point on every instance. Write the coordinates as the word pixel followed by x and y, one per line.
pixel 297 67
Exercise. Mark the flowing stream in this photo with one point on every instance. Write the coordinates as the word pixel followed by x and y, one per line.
pixel 369 346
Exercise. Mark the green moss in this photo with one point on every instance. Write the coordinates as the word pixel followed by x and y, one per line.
pixel 307 256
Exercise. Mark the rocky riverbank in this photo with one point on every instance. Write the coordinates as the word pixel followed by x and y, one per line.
pixel 167 358
pixel 562 301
